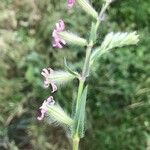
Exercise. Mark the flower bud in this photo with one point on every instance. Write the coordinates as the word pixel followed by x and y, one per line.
pixel 72 38
pixel 88 8
pixel 54 112
pixel 57 114
pixel 71 3
pixel 60 77
pixel 57 41
pixel 55 78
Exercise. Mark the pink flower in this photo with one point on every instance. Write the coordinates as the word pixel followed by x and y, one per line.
pixel 48 74
pixel 44 108
pixel 58 42
pixel 71 3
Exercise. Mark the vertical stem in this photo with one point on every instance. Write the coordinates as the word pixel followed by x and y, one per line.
pixel 85 70
pixel 76 143
pixel 80 89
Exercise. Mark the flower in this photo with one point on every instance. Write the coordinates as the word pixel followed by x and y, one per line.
pixel 71 3
pixel 44 108
pixel 58 42
pixel 49 74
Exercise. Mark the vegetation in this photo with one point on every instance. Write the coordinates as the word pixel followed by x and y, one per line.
pixel 118 104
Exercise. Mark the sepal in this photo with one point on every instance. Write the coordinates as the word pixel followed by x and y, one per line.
pixel 57 115
pixel 72 38
pixel 88 8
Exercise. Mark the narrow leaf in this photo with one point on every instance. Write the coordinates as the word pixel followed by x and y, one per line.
pixel 70 70
pixel 78 128
pixel 93 32
pixel 113 40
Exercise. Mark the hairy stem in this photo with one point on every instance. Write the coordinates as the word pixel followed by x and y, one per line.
pixel 76 143
pixel 86 69
pixel 85 73
pixel 80 90
pixel 104 8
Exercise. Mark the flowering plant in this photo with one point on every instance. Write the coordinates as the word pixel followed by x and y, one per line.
pixel 61 37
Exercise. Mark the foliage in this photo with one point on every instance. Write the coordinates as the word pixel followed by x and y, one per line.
pixel 118 104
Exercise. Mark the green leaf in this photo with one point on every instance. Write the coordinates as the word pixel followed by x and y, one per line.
pixel 74 73
pixel 79 119
pixel 113 40
pixel 93 32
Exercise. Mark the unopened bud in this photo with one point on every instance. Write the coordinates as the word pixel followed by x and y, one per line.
pixel 88 8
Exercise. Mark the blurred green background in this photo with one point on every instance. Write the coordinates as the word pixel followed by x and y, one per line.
pixel 118 106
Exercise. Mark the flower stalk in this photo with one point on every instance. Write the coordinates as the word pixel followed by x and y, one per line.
pixel 76 143
pixel 53 78
pixel 86 67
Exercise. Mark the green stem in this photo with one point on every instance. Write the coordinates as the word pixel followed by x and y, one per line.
pixel 80 89
pixel 76 143
pixel 85 70
pixel 104 8
pixel 97 24
pixel 82 79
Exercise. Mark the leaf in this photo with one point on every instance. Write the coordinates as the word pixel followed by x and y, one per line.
pixel 79 119
pixel 113 40
pixel 70 70
pixel 93 32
